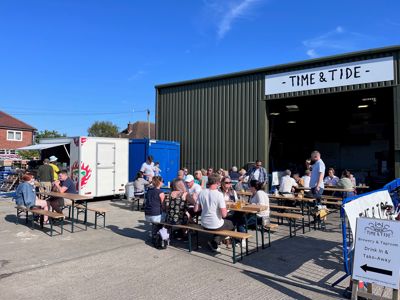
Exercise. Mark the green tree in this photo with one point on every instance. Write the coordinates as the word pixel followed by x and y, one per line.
pixel 32 154
pixel 103 129
pixel 48 134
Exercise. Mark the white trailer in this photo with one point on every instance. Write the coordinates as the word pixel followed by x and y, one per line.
pixel 97 165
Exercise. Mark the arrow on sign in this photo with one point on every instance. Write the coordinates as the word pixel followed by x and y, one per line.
pixel 376 270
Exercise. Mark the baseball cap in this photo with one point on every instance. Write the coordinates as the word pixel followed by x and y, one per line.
pixel 189 178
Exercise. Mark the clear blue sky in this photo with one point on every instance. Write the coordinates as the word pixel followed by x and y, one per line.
pixel 66 64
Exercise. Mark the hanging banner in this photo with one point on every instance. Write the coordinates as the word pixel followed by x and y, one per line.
pixel 365 71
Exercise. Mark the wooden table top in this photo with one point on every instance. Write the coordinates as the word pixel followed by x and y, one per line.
pixel 331 189
pixel 74 197
pixel 280 197
pixel 245 193
pixel 247 208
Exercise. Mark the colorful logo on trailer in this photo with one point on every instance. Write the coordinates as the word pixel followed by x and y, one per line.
pixel 76 141
pixel 86 173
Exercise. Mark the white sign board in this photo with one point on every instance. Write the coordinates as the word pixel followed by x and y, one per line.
pixel 365 71
pixel 367 206
pixel 377 252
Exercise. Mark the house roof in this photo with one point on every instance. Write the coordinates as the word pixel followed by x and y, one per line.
pixel 138 130
pixel 7 121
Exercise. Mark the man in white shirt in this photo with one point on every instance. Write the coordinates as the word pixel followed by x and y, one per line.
pixel 213 211
pixel 148 168
pixel 287 184
pixel 193 188
pixel 306 178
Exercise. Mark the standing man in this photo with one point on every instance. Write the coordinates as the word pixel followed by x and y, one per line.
pixel 213 211
pixel 317 176
pixel 52 164
pixel 63 185
pixel 45 175
pixel 257 173
pixel 148 168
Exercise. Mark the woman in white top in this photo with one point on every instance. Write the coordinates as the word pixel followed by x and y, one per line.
pixel 261 198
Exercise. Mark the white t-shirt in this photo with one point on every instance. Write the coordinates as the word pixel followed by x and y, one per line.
pixel 306 181
pixel 211 202
pixel 287 183
pixel 147 169
pixel 261 198
pixel 195 189
pixel 256 174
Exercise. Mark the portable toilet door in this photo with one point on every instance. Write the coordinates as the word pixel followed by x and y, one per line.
pixel 105 167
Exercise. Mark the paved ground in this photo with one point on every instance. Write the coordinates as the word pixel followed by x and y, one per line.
pixel 118 263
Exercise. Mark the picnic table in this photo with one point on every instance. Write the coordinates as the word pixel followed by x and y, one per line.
pixel 74 198
pixel 303 202
pixel 248 209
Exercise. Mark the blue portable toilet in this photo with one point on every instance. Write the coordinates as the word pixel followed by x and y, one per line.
pixel 167 153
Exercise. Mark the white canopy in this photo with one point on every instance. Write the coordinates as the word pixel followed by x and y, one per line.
pixel 42 146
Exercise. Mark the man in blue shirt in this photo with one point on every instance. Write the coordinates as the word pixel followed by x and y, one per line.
pixel 317 176
pixel 258 173
pixel 63 185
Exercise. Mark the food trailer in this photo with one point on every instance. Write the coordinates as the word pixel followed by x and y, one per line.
pixel 97 165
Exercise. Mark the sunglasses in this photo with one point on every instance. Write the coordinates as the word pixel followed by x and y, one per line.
pixel 227 182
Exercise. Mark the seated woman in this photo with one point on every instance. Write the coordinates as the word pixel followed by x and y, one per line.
pixel 260 197
pixel 345 183
pixel 140 184
pixel 198 178
pixel 25 195
pixel 237 218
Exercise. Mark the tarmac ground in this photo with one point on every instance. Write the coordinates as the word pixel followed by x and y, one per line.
pixel 119 262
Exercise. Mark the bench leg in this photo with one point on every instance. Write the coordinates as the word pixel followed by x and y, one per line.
pixel 51 226
pixel 269 237
pixel 33 221
pixel 290 227
pixel 197 240
pixel 233 251
pixel 190 241
pixel 302 223
pixel 241 250
pixel 257 233
pixel 104 220
pixel 262 237
pixel 247 247
pixel 62 225
pixel 95 220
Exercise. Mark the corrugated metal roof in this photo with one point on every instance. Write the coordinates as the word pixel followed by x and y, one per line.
pixel 293 65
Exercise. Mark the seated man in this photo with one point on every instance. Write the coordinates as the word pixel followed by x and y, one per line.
pixel 287 184
pixel 213 211
pixel 331 179
pixel 63 185
pixel 194 190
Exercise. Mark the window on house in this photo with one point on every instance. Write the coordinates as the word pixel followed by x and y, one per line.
pixel 14 135
pixel 7 151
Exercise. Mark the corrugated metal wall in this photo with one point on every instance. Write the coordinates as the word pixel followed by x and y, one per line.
pixel 222 121
pixel 219 123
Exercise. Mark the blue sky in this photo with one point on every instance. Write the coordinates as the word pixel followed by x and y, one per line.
pixel 66 64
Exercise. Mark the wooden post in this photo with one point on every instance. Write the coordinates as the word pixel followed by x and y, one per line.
pixel 354 290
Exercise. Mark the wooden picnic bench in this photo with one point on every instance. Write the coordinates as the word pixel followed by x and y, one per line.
pixel 98 212
pixel 291 217
pixel 41 213
pixel 196 228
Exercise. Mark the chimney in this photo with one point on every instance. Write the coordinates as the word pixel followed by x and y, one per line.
pixel 130 128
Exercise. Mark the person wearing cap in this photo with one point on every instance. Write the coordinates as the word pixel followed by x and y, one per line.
pixel 52 164
pixel 45 175
pixel 193 188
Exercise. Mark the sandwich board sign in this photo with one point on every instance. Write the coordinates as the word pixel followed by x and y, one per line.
pixel 377 252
